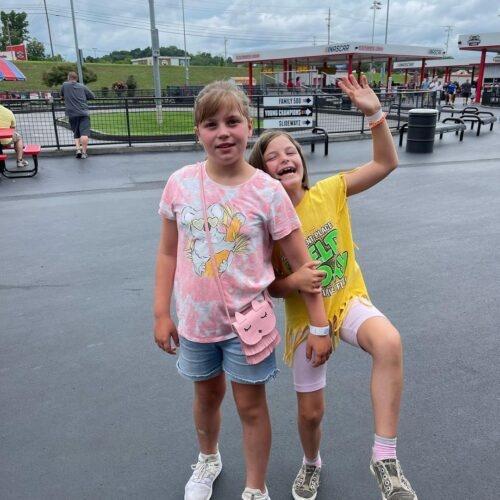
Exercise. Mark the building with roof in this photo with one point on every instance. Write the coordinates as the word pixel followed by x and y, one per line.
pixel 353 54
pixel 480 42
pixel 450 67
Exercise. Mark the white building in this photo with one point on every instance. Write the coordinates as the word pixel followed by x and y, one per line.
pixel 164 61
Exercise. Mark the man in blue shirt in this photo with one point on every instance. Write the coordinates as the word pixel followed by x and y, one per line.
pixel 451 91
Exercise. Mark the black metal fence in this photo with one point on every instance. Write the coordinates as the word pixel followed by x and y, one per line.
pixel 129 120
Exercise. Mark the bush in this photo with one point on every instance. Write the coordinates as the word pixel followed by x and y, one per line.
pixel 119 87
pixel 131 82
pixel 58 74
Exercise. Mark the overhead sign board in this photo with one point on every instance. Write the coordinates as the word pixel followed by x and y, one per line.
pixel 295 100
pixel 294 122
pixel 477 41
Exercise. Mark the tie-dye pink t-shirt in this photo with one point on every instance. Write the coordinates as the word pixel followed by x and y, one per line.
pixel 244 221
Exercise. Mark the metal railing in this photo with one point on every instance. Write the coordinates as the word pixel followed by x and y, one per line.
pixel 130 120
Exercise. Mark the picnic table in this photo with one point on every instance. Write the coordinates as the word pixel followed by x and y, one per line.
pixel 32 150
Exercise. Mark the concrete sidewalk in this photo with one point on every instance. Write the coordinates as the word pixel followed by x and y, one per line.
pixel 91 409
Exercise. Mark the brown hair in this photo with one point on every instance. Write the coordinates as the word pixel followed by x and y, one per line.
pixel 217 95
pixel 72 76
pixel 257 155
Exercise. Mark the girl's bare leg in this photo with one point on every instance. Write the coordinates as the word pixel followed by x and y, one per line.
pixel 208 396
pixel 380 338
pixel 254 415
pixel 311 407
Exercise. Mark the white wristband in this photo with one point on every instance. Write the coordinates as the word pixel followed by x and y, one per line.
pixel 376 116
pixel 320 331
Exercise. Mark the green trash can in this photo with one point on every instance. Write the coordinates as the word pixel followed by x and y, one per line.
pixel 421 130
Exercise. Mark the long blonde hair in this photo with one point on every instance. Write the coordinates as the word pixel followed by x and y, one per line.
pixel 257 155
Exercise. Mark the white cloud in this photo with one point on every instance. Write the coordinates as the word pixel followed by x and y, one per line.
pixel 250 24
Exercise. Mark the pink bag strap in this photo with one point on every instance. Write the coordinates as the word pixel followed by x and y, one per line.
pixel 201 168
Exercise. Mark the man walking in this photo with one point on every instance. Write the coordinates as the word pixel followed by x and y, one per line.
pixel 466 91
pixel 75 97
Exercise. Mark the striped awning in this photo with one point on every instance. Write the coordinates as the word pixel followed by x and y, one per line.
pixel 9 71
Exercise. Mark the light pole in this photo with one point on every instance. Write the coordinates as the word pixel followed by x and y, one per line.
pixel 186 65
pixel 376 5
pixel 78 53
pixel 155 52
pixel 48 27
pixel 387 21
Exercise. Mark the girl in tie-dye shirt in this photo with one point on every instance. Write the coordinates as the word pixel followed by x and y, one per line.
pixel 247 211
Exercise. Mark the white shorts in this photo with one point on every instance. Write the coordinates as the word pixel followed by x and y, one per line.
pixel 307 378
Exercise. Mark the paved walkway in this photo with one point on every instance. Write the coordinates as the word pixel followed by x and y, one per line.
pixel 91 409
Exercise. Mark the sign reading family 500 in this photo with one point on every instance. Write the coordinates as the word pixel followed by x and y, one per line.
pixel 296 100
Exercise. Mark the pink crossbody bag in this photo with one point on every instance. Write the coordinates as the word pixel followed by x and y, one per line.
pixel 255 325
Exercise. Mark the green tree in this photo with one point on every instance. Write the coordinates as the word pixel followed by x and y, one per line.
pixel 36 50
pixel 131 82
pixel 14 28
pixel 58 74
pixel 56 58
pixel 171 50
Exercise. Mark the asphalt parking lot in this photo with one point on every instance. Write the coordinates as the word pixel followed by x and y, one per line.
pixel 91 409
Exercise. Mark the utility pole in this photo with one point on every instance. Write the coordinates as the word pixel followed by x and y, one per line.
pixel 328 23
pixel 386 21
pixel 186 65
pixel 449 30
pixel 78 53
pixel 225 51
pixel 48 27
pixel 8 29
pixel 155 52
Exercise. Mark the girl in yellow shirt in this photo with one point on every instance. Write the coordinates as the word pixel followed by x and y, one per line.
pixel 334 272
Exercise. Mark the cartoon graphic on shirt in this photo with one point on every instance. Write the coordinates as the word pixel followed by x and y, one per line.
pixel 322 246
pixel 224 225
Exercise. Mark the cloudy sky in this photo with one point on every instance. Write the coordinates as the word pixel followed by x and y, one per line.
pixel 244 25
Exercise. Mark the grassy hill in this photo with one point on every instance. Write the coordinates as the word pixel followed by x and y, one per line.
pixel 109 73
pixel 169 75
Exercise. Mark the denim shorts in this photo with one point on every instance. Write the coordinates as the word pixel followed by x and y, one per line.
pixel 203 361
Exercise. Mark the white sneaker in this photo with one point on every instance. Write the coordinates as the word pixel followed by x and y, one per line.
pixel 251 494
pixel 206 471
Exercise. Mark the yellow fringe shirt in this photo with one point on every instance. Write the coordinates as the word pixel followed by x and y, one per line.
pixel 324 215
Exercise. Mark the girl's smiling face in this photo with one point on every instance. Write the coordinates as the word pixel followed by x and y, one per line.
pixel 283 162
pixel 224 136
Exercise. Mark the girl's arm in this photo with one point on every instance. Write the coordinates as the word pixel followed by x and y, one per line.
pixel 385 157
pixel 295 251
pixel 306 279
pixel 165 329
